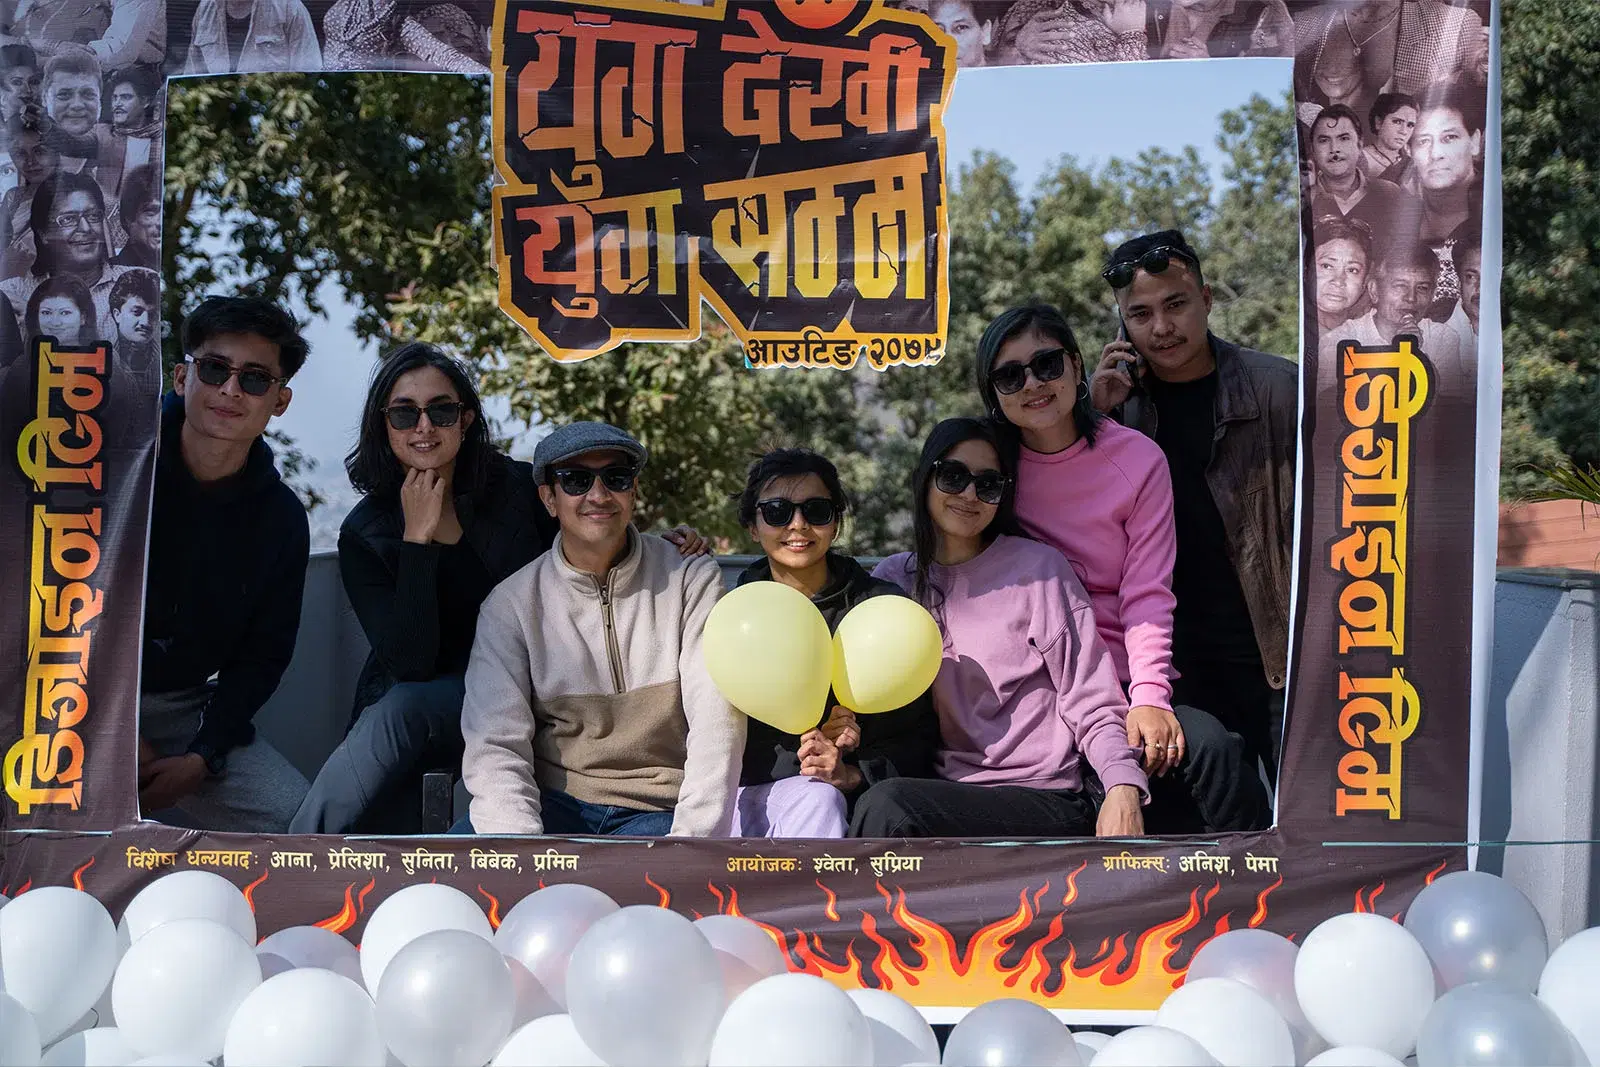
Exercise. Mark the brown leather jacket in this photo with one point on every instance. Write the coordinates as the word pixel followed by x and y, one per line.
pixel 1252 479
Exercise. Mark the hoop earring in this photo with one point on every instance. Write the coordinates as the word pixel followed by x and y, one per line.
pixel 1083 391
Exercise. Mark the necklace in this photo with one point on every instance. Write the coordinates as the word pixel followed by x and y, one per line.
pixel 1355 44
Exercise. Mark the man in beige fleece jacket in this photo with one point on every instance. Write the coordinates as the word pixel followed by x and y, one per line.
pixel 589 709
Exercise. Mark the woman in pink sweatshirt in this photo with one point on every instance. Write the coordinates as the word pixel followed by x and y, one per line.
pixel 1101 494
pixel 1027 690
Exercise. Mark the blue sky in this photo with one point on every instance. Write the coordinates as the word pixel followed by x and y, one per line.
pixel 1032 115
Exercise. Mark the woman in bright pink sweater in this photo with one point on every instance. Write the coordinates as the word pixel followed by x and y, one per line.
pixel 1101 493
pixel 1027 692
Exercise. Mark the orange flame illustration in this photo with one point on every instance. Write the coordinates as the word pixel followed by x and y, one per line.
pixel 832 908
pixel 935 971
pixel 1435 873
pixel 1367 900
pixel 250 892
pixel 494 907
pixel 666 897
pixel 1260 915
pixel 25 887
pixel 352 910
pixel 77 875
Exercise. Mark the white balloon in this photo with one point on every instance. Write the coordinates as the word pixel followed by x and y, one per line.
pixel 745 951
pixel 1093 1040
pixel 1010 1033
pixel 410 913
pixel 19 1034
pixel 644 987
pixel 310 946
pixel 1353 1056
pixel 792 1020
pixel 446 998
pixel 103 1046
pixel 550 1041
pixel 62 950
pixel 168 1061
pixel 178 986
pixel 541 930
pixel 1568 987
pixel 1364 980
pixel 900 1035
pixel 188 895
pixel 531 1000
pixel 1147 1046
pixel 303 1017
pixel 1264 961
pixel 1234 1023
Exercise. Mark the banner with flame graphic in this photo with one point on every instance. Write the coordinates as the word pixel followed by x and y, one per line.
pixel 812 218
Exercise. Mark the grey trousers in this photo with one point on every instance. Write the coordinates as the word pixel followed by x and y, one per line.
pixel 257 793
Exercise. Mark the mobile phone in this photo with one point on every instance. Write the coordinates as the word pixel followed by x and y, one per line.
pixel 1138 359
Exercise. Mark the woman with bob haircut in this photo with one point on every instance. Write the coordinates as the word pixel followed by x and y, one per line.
pixel 61 307
pixel 793 505
pixel 443 519
pixel 1027 691
pixel 1101 495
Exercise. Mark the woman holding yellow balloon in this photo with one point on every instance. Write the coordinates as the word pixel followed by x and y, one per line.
pixel 805 756
pixel 1027 694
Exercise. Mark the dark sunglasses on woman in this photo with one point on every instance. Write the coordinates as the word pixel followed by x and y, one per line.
pixel 576 481
pixel 778 512
pixel 1158 259
pixel 440 413
pixel 1046 366
pixel 215 372
pixel 952 477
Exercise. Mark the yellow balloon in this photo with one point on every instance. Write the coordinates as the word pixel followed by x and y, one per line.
pixel 769 652
pixel 886 654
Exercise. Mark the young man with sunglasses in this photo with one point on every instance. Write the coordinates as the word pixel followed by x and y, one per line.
pixel 589 709
pixel 1227 419
pixel 228 549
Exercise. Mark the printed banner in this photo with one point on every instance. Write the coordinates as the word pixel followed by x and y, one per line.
pixel 790 173
pixel 787 168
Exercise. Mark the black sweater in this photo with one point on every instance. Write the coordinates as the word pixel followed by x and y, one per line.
pixel 395 587
pixel 895 744
pixel 226 574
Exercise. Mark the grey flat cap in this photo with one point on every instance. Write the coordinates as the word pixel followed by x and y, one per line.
pixel 578 438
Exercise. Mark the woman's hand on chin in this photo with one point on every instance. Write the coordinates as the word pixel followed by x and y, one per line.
pixel 1119 814
pixel 422 504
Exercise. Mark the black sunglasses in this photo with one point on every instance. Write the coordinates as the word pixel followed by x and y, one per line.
pixel 1046 366
pixel 216 372
pixel 952 476
pixel 576 481
pixel 440 413
pixel 1120 275
pixel 778 512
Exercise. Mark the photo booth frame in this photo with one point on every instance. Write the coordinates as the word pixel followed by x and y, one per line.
pixel 1385 694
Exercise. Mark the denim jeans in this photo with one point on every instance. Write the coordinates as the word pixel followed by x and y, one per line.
pixel 564 814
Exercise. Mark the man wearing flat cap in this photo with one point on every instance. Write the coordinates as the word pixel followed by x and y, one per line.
pixel 588 708
pixel 1227 418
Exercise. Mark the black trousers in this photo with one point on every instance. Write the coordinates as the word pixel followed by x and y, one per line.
pixel 1214 790
pixel 1238 696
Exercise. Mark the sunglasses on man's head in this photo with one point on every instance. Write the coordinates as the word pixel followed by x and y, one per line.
pixel 576 481
pixel 440 413
pixel 216 372
pixel 1158 259
pixel 951 476
pixel 778 512
pixel 1046 366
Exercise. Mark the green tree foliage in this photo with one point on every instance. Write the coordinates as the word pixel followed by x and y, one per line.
pixel 1550 63
pixel 380 183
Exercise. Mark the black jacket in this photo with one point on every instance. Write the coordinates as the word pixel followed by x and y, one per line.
pixel 226 574
pixel 895 744
pixel 393 585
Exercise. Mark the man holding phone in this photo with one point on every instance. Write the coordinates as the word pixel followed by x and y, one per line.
pixel 1227 419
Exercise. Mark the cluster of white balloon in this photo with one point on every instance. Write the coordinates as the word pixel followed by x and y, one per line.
pixel 571 978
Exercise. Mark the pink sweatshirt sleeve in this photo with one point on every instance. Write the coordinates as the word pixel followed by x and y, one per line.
pixel 1089 694
pixel 1146 599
